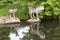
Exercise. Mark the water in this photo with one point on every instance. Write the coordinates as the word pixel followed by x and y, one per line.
pixel 31 31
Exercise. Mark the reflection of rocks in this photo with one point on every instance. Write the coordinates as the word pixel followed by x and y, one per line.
pixel 6 19
pixel 33 20
pixel 10 25
pixel 36 30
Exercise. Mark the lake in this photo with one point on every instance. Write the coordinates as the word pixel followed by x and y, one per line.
pixel 31 31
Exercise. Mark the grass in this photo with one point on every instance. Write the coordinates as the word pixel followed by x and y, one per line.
pixel 4 12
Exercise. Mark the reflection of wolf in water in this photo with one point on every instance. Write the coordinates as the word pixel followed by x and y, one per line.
pixel 13 33
pixel 13 30
pixel 18 33
pixel 36 30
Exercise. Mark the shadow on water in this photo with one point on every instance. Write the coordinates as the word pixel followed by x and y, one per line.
pixel 31 31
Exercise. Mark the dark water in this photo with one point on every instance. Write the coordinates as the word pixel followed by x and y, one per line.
pixel 31 31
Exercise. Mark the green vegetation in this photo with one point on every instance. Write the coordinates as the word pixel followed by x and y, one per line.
pixel 52 8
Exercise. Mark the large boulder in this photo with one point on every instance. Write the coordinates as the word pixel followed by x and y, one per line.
pixel 7 19
pixel 12 20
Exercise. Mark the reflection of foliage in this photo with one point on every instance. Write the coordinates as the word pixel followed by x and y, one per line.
pixel 4 33
pixel 51 29
pixel 52 7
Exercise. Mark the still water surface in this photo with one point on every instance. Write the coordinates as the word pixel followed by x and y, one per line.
pixel 31 31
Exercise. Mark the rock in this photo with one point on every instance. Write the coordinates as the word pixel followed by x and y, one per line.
pixel 12 20
pixel 33 20
pixel 1 21
pixel 2 18
pixel 7 19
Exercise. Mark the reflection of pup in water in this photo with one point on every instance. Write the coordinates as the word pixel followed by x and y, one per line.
pixel 36 30
pixel 13 30
pixel 14 34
